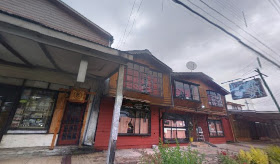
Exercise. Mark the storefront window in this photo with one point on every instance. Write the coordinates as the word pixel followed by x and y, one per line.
pixel 134 121
pixel 174 128
pixel 215 128
pixel 34 110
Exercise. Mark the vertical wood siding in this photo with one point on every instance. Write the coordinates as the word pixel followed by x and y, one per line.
pixel 123 142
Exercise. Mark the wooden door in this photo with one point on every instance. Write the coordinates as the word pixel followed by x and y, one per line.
pixel 71 124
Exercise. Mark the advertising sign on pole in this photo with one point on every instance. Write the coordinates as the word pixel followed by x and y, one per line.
pixel 247 89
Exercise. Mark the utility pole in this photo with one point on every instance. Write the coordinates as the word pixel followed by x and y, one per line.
pixel 267 87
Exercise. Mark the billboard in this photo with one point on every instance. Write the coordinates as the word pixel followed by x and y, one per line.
pixel 247 89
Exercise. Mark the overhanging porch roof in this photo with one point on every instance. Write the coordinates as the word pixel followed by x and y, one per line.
pixel 28 44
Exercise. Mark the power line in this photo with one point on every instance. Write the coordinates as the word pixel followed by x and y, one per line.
pixel 239 27
pixel 228 33
pixel 276 4
pixel 272 4
pixel 238 11
pixel 231 29
pixel 127 24
pixel 137 13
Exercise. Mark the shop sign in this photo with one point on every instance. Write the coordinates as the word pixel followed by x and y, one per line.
pixel 78 95
pixel 248 89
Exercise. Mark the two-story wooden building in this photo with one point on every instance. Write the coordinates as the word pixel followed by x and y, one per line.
pixel 147 90
pixel 199 110
pixel 161 104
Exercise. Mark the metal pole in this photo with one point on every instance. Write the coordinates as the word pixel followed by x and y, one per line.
pixel 265 84
pixel 116 117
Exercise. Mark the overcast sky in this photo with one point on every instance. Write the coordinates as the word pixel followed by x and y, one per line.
pixel 175 35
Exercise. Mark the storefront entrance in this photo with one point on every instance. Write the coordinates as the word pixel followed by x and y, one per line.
pixel 71 124
pixel 8 98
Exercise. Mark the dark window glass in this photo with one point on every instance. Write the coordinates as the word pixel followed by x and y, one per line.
pixel 215 99
pixel 186 91
pixel 134 121
pixel 142 79
pixel 215 128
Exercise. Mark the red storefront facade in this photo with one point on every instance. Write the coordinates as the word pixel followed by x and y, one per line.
pixel 173 107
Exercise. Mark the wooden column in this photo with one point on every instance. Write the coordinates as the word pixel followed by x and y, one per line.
pixel 93 116
pixel 57 117
pixel 116 117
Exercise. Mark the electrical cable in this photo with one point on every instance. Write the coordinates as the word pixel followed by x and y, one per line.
pixel 126 24
pixel 137 14
pixel 239 27
pixel 228 33
pixel 272 4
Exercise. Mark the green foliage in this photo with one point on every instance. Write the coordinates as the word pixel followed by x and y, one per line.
pixel 173 155
pixel 273 153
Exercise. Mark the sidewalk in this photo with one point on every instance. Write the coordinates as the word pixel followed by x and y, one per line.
pixel 128 155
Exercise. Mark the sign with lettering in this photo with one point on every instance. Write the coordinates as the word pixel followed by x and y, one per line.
pixel 248 89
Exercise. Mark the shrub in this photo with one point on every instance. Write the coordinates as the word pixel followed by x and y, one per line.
pixel 173 155
pixel 245 157
pixel 273 153
pixel 258 156
pixel 253 156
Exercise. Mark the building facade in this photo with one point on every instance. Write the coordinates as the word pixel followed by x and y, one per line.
pixel 53 65
pixel 162 105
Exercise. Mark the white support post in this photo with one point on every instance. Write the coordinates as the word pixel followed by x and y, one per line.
pixel 116 117
pixel 82 71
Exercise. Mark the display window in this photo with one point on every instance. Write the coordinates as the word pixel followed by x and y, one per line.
pixel 135 119
pixel 175 128
pixel 34 109
pixel 215 128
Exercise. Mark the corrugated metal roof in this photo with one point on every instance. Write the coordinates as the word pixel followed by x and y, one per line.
pixel 67 20
pixel 147 52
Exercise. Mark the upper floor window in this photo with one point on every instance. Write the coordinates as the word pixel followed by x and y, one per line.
pixel 140 78
pixel 214 99
pixel 186 91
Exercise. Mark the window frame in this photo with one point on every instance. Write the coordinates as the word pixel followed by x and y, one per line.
pixel 139 79
pixel 191 94
pixel 149 124
pixel 44 130
pixel 216 93
pixel 216 136
pixel 185 119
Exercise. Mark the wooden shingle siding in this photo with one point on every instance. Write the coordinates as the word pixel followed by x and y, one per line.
pixel 47 14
